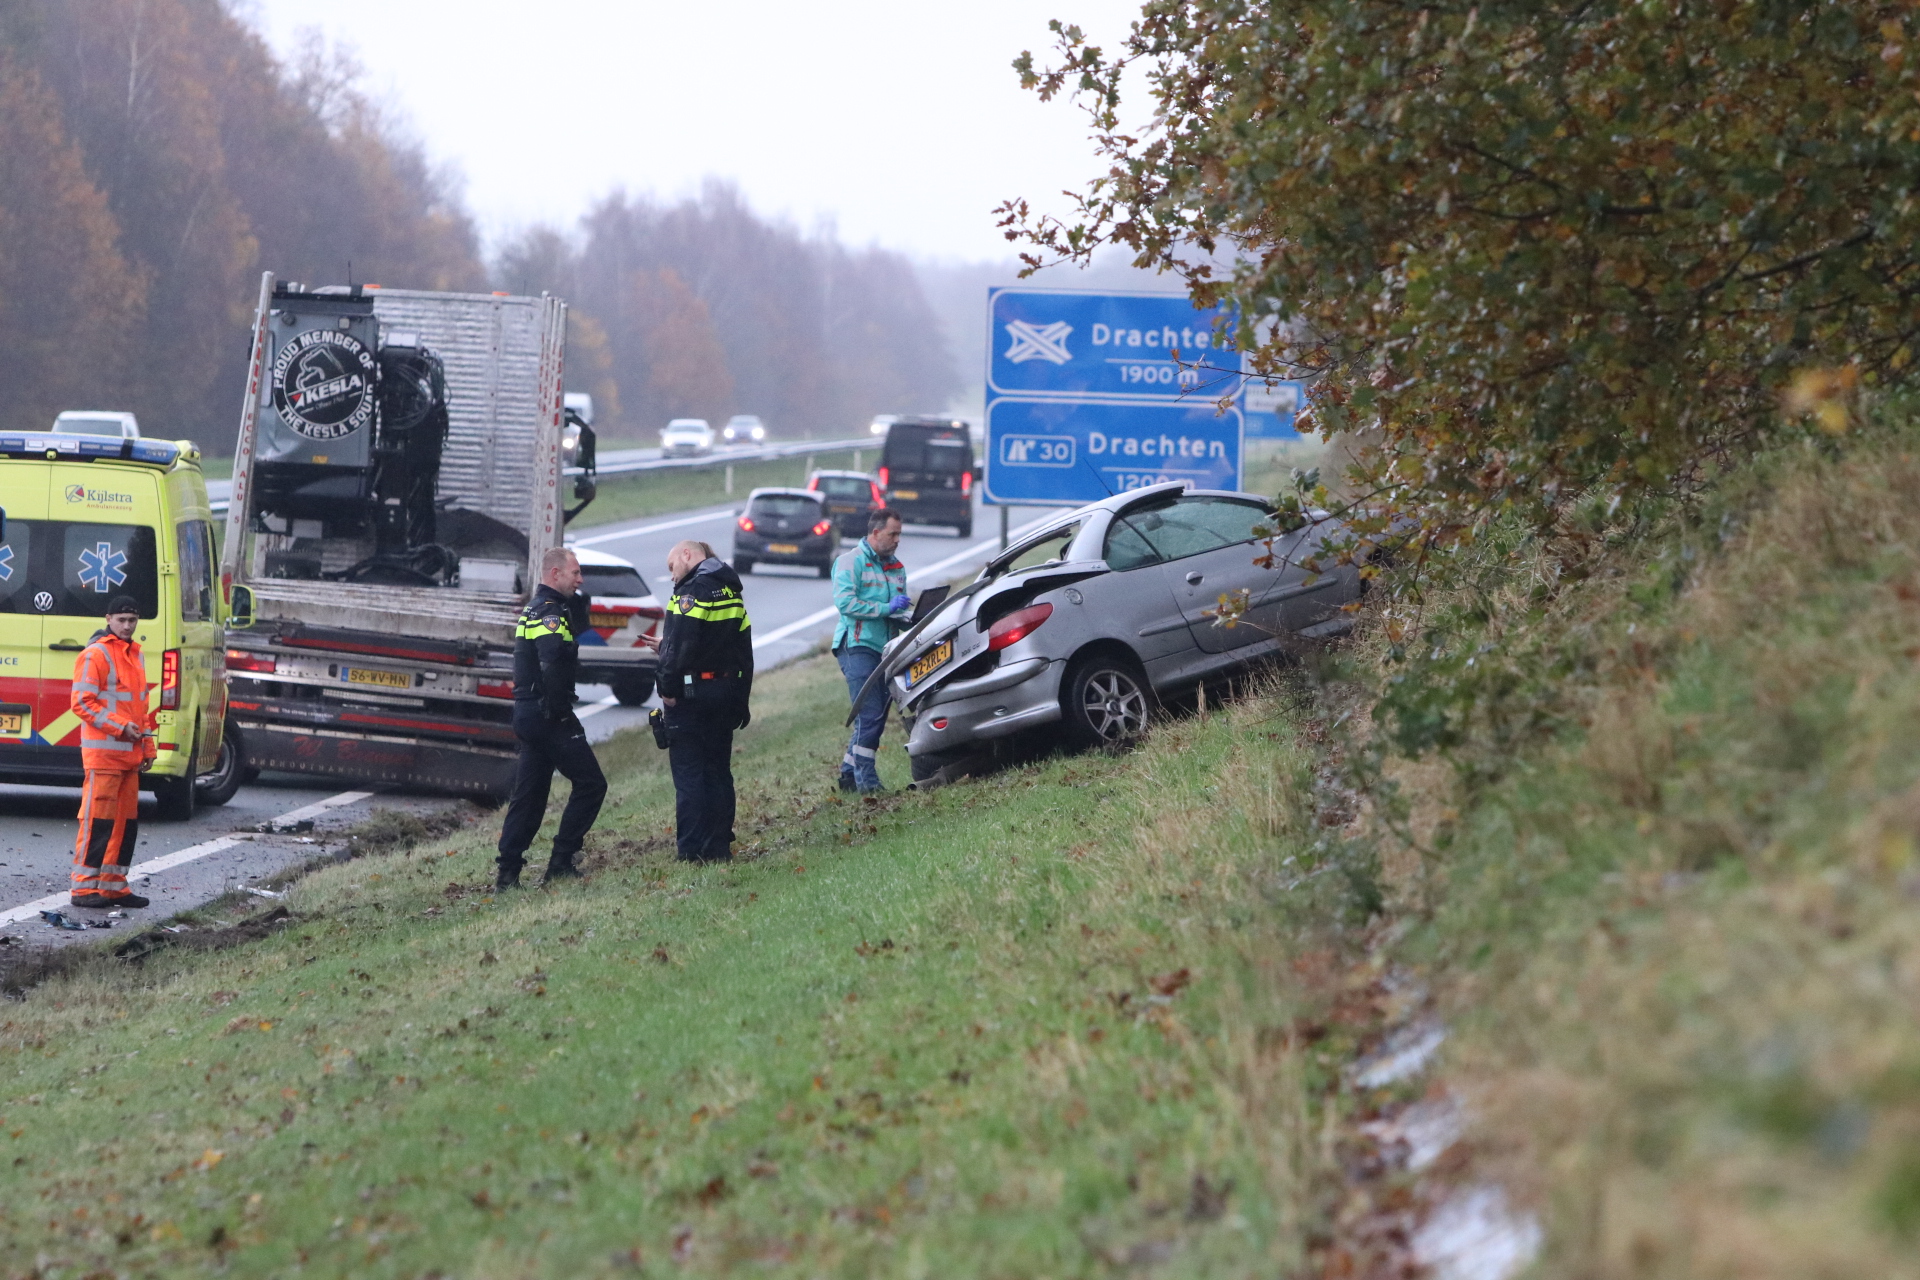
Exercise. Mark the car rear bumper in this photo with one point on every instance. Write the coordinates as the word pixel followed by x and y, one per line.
pixel 1019 696
pixel 808 550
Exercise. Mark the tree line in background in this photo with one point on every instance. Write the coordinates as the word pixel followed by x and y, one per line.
pixel 699 308
pixel 155 156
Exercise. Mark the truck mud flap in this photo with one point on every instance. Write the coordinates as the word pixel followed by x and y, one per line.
pixel 407 762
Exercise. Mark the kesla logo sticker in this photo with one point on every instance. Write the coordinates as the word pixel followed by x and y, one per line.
pixel 323 384
pixel 98 497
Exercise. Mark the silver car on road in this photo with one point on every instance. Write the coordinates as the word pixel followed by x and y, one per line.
pixel 1087 621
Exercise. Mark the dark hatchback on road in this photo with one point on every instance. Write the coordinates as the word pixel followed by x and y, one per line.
pixel 926 472
pixel 785 526
pixel 850 496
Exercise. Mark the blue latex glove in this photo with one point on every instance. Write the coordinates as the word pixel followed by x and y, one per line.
pixel 900 604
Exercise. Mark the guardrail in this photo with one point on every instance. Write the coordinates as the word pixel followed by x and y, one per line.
pixel 767 453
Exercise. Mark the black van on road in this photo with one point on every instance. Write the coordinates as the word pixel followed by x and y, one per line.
pixel 926 472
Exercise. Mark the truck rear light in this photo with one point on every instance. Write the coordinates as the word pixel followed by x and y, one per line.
pixel 260 663
pixel 494 688
pixel 966 482
pixel 1017 626
pixel 879 499
pixel 746 524
pixel 170 680
pixel 820 530
pixel 883 477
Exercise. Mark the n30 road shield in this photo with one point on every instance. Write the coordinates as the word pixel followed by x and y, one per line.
pixel 1072 452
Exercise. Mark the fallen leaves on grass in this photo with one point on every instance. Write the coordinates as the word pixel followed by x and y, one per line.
pixel 1171 984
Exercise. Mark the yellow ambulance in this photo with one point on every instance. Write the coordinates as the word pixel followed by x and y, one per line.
pixel 83 519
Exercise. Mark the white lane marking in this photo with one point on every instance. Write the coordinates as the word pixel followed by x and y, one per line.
pixel 939 566
pixel 166 861
pixel 597 707
pixel 652 528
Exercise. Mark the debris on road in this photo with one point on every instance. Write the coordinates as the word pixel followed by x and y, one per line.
pixel 263 893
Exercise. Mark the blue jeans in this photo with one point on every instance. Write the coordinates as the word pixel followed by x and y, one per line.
pixel 857 662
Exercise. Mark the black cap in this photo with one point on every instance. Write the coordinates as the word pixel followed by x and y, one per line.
pixel 123 604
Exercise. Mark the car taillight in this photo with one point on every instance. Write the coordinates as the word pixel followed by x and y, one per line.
pixel 1018 625
pixel 170 680
pixel 813 485
pixel 494 688
pixel 883 477
pixel 966 483
pixel 259 663
pixel 820 530
pixel 746 524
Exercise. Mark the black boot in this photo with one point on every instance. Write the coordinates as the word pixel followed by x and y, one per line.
pixel 507 877
pixel 560 868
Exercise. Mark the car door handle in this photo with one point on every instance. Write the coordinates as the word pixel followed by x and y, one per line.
pixel 66 646
pixel 1193 579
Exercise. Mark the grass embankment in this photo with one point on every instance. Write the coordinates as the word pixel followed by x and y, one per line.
pixel 1647 839
pixel 1004 1028
pixel 654 493
pixel 1679 943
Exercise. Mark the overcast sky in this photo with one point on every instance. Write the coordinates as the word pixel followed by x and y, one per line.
pixel 900 124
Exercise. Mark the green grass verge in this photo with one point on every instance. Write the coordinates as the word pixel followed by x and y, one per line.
pixel 1643 829
pixel 635 497
pixel 1005 1028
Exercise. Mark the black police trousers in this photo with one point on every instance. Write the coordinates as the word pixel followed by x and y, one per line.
pixel 700 755
pixel 546 745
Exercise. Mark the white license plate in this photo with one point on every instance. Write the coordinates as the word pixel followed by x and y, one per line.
pixel 386 679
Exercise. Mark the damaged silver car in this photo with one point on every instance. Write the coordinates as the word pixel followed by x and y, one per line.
pixel 1086 622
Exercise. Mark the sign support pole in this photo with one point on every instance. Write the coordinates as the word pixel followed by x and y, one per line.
pixel 1003 528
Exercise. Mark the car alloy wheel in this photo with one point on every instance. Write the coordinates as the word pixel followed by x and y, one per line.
pixel 1106 703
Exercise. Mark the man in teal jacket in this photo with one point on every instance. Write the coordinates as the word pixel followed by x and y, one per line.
pixel 870 591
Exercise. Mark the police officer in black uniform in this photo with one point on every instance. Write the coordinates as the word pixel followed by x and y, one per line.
pixel 546 658
pixel 706 677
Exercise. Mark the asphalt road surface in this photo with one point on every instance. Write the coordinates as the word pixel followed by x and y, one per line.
pixel 184 865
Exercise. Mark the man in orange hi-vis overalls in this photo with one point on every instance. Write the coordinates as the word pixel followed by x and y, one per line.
pixel 116 743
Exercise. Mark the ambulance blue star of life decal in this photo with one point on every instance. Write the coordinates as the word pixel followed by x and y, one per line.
pixel 103 568
pixel 6 563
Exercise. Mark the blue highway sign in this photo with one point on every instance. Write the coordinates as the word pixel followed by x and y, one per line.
pixel 1057 452
pixel 1047 342
pixel 1270 410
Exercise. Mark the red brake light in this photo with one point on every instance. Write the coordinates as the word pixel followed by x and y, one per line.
pixel 494 688
pixel 966 483
pixel 746 524
pixel 820 530
pixel 170 680
pixel 813 484
pixel 1017 625
pixel 259 663
pixel 878 500
pixel 883 477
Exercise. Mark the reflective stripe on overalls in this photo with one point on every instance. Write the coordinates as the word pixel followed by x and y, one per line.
pixel 109 691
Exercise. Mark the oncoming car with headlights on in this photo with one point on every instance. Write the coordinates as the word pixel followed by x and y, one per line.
pixel 1087 622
